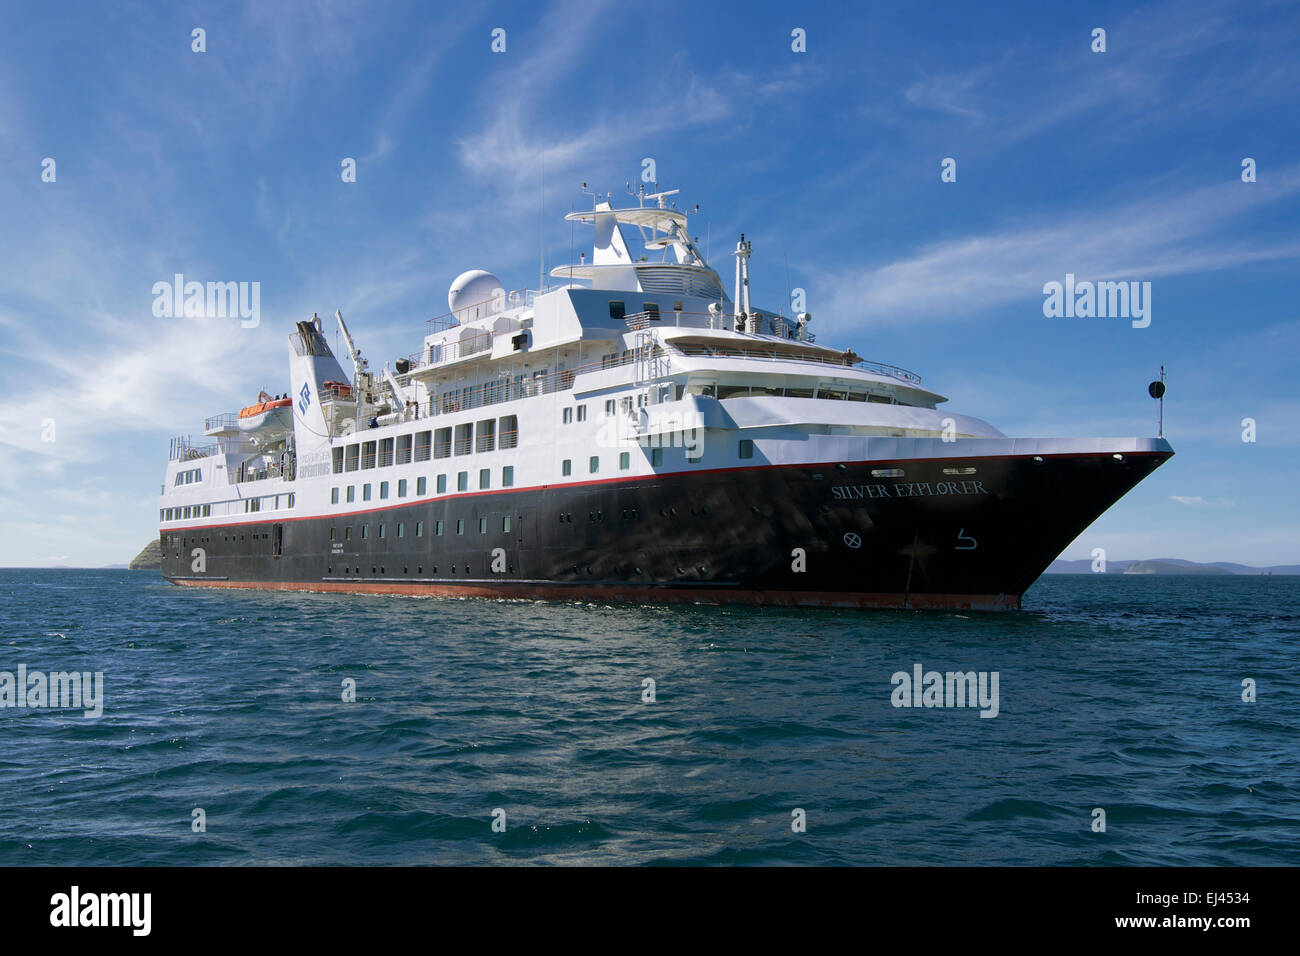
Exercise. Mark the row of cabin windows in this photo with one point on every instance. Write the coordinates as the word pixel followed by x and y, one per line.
pixel 181 513
pixel 422 485
pixel 593 463
pixel 483 436
pixel 184 512
pixel 417 528
pixel 269 503
pixel 190 477
pixel 694 454
pixel 742 391
pixel 612 406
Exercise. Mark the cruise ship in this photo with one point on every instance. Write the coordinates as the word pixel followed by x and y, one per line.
pixel 631 433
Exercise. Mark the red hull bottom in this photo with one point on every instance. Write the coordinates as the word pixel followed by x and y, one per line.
pixel 638 595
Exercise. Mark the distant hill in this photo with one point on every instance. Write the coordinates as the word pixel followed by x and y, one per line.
pixel 1167 566
pixel 150 559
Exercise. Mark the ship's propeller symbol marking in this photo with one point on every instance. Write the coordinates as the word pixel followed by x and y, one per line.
pixel 852 540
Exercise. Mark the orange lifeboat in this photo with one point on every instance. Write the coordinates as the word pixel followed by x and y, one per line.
pixel 265 403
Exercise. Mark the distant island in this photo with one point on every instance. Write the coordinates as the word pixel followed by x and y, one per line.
pixel 149 559
pixel 1167 566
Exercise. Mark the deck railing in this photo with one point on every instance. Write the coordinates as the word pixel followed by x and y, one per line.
pixel 845 360
pixel 776 325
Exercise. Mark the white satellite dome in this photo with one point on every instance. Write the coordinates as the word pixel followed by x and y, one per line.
pixel 475 295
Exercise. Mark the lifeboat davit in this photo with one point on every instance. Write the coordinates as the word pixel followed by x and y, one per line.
pixel 269 414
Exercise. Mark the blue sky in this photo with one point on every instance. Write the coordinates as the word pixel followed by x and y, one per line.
pixel 225 166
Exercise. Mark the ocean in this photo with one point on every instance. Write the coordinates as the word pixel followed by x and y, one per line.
pixel 772 736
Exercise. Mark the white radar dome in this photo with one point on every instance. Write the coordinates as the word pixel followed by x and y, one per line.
pixel 475 295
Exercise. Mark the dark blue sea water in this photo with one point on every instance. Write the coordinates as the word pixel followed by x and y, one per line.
pixel 1120 693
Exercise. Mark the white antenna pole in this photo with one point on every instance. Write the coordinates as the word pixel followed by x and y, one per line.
pixel 541 242
pixel 740 246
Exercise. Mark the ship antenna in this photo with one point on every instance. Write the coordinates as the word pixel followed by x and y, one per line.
pixel 1157 391
pixel 541 234
pixel 572 225
pixel 786 256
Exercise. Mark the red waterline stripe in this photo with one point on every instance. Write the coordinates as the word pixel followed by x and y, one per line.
pixel 652 477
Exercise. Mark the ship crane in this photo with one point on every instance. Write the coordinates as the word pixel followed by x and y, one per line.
pixel 360 368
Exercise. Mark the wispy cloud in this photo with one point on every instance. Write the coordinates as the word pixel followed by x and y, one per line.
pixel 1175 233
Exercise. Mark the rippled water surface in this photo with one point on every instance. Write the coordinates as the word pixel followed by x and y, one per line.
pixel 1120 693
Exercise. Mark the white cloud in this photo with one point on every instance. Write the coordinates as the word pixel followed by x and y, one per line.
pixel 1142 240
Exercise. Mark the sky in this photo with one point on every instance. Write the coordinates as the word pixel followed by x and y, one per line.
pixel 826 148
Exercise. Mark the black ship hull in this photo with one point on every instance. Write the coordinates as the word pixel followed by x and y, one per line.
pixel 956 533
